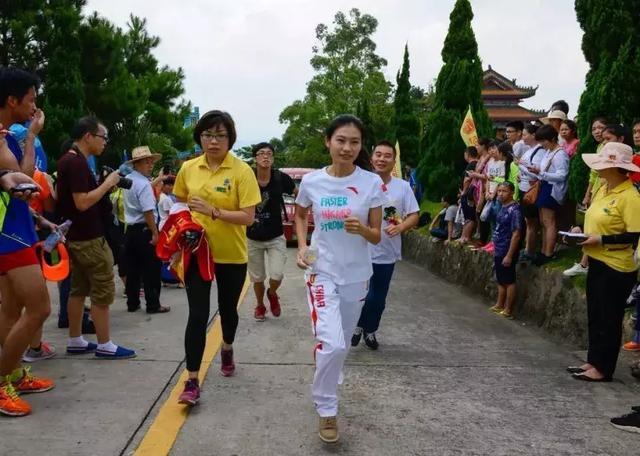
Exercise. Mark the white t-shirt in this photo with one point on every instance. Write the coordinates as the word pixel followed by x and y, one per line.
pixel 532 157
pixel 342 256
pixel 164 206
pixel 399 201
pixel 519 148
pixel 495 168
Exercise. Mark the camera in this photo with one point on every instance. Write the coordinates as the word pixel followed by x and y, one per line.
pixel 122 183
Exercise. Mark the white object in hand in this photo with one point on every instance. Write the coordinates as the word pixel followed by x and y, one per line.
pixel 310 255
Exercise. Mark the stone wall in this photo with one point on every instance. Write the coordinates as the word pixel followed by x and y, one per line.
pixel 545 297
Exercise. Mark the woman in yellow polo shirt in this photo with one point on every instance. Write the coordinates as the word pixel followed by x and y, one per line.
pixel 614 210
pixel 222 192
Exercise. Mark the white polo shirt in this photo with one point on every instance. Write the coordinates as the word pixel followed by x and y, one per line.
pixel 139 199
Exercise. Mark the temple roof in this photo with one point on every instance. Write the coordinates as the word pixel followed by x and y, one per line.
pixel 509 113
pixel 495 85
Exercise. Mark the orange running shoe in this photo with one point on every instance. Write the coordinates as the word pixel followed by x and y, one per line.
pixel 10 403
pixel 30 384
pixel 631 346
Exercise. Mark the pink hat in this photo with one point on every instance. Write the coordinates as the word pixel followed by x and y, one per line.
pixel 612 155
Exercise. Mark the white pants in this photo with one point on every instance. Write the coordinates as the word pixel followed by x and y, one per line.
pixel 335 310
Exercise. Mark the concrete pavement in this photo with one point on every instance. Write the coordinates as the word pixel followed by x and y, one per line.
pixel 450 378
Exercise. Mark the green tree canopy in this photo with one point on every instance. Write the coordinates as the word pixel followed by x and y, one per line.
pixel 458 86
pixel 90 66
pixel 406 121
pixel 613 80
pixel 348 71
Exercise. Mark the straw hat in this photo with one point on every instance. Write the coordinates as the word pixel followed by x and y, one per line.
pixel 142 152
pixel 612 155
pixel 556 114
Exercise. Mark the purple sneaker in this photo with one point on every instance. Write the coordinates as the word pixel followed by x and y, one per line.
pixel 191 393
pixel 228 367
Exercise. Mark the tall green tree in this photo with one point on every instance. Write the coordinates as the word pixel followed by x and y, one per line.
pixel 63 91
pixel 458 86
pixel 613 79
pixel 88 65
pixel 406 120
pixel 347 70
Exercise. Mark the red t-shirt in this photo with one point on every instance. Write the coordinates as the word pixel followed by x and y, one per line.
pixel 635 177
pixel 74 176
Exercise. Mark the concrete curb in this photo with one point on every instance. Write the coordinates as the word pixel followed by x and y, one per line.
pixel 545 296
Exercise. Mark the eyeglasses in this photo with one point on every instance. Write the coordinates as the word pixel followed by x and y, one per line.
pixel 105 137
pixel 208 136
pixel 510 131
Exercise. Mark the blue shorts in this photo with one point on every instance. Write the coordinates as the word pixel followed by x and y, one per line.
pixel 545 200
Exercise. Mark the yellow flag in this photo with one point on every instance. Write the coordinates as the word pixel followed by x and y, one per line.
pixel 397 170
pixel 468 130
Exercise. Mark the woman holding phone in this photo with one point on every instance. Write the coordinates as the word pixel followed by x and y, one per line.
pixel 613 214
pixel 346 202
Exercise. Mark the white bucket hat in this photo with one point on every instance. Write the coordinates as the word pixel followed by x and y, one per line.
pixel 612 155
pixel 556 114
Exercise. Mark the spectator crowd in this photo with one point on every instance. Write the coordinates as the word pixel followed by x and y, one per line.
pixel 78 224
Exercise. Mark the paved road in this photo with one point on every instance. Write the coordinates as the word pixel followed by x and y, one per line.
pixel 450 378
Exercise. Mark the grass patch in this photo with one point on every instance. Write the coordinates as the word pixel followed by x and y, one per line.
pixel 432 207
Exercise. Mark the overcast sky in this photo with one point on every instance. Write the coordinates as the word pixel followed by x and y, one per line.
pixel 251 57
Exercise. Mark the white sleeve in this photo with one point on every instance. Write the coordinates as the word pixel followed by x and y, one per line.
pixel 166 203
pixel 303 199
pixel 410 203
pixel 147 199
pixel 377 196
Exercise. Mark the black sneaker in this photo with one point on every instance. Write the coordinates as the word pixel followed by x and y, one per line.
pixel 636 408
pixel 629 422
pixel 371 341
pixel 88 327
pixel 355 339
pixel 542 259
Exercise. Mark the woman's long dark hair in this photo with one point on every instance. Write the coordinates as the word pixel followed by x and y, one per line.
pixel 362 160
pixel 507 152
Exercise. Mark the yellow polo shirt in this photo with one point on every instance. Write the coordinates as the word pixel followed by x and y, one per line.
pixel 614 212
pixel 233 186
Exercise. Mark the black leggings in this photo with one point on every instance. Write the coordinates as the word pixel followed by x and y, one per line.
pixel 230 279
pixel 607 293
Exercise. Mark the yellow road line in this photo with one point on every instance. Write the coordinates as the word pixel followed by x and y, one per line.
pixel 164 430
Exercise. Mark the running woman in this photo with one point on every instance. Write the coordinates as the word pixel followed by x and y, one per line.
pixel 400 214
pixel 222 192
pixel 346 201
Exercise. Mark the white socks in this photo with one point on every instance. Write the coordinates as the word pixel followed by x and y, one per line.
pixel 108 347
pixel 77 342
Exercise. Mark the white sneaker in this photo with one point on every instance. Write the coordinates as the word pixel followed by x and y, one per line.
pixel 575 270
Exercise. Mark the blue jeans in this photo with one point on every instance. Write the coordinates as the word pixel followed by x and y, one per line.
pixel 376 298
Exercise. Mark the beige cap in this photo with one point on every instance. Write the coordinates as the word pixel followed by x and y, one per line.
pixel 142 152
pixel 557 114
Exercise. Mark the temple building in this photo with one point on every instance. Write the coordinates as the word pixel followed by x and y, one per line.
pixel 502 98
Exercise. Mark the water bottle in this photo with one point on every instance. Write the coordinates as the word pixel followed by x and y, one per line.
pixel 310 255
pixel 56 236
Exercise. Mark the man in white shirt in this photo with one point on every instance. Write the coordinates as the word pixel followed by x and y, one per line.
pixel 141 215
pixel 400 213
pixel 514 136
